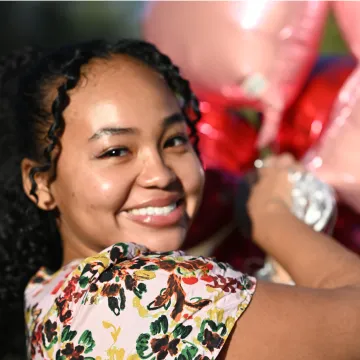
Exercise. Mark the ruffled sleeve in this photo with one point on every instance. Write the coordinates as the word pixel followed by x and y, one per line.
pixel 128 303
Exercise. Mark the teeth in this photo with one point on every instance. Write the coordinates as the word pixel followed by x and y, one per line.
pixel 165 210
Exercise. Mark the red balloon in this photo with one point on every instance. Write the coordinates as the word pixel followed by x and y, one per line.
pixel 227 140
pixel 228 143
pixel 227 148
pixel 306 120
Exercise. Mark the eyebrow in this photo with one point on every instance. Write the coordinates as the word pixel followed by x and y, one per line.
pixel 110 131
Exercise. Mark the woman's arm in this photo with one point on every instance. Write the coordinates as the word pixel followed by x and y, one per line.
pixel 285 322
pixel 312 259
pixel 321 321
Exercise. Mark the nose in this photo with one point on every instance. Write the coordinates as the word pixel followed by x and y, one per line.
pixel 155 173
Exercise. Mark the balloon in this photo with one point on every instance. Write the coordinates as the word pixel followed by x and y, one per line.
pixel 307 119
pixel 227 140
pixel 257 53
pixel 347 16
pixel 335 157
pixel 231 245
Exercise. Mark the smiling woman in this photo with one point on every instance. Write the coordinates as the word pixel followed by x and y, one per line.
pixel 102 187
pixel 115 159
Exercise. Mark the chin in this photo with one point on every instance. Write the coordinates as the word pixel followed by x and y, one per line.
pixel 172 240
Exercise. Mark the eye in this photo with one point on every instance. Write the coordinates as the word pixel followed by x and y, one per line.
pixel 116 152
pixel 175 141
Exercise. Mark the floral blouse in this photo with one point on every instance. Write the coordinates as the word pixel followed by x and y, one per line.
pixel 129 303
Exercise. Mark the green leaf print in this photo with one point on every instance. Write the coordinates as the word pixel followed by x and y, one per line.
pixel 142 346
pixel 188 353
pixel 160 325
pixel 151 267
pixel 182 331
pixel 67 334
pixel 140 290
pixel 51 344
pixel 213 326
pixel 159 343
pixel 87 340
pixel 83 281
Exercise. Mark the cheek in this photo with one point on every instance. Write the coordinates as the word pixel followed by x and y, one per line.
pixel 191 175
pixel 89 190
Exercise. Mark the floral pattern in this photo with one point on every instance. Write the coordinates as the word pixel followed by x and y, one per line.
pixel 128 303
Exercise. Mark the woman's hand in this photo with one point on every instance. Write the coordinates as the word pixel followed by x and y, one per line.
pixel 271 195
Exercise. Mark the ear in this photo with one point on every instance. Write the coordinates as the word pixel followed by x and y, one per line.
pixel 45 199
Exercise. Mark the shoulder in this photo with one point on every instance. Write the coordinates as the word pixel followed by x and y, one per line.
pixel 147 303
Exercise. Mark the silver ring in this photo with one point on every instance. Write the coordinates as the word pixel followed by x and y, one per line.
pixel 313 201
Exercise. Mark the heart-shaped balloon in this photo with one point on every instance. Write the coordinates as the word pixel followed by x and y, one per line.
pixel 256 53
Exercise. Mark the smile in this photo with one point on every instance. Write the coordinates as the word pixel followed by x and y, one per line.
pixel 150 210
pixel 159 216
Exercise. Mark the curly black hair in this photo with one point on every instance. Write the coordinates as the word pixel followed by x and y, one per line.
pixel 13 204
pixel 29 237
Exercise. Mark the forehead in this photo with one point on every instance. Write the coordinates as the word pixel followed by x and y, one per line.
pixel 120 89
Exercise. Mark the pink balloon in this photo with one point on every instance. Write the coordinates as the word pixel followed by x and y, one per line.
pixel 336 156
pixel 256 53
pixel 347 15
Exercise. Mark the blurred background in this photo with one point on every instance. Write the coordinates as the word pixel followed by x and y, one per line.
pixel 54 23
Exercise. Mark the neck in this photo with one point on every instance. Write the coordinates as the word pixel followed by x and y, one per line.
pixel 74 248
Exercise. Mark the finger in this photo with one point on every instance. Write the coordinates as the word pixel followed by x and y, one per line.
pixel 286 160
pixel 278 161
pixel 270 160
pixel 274 163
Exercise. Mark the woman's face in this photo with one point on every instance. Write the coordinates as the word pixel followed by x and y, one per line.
pixel 126 171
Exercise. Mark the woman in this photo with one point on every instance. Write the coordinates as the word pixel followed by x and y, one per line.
pixel 108 172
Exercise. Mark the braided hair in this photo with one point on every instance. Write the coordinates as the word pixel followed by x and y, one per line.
pixel 29 237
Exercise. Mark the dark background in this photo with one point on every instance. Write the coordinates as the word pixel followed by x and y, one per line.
pixel 53 23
